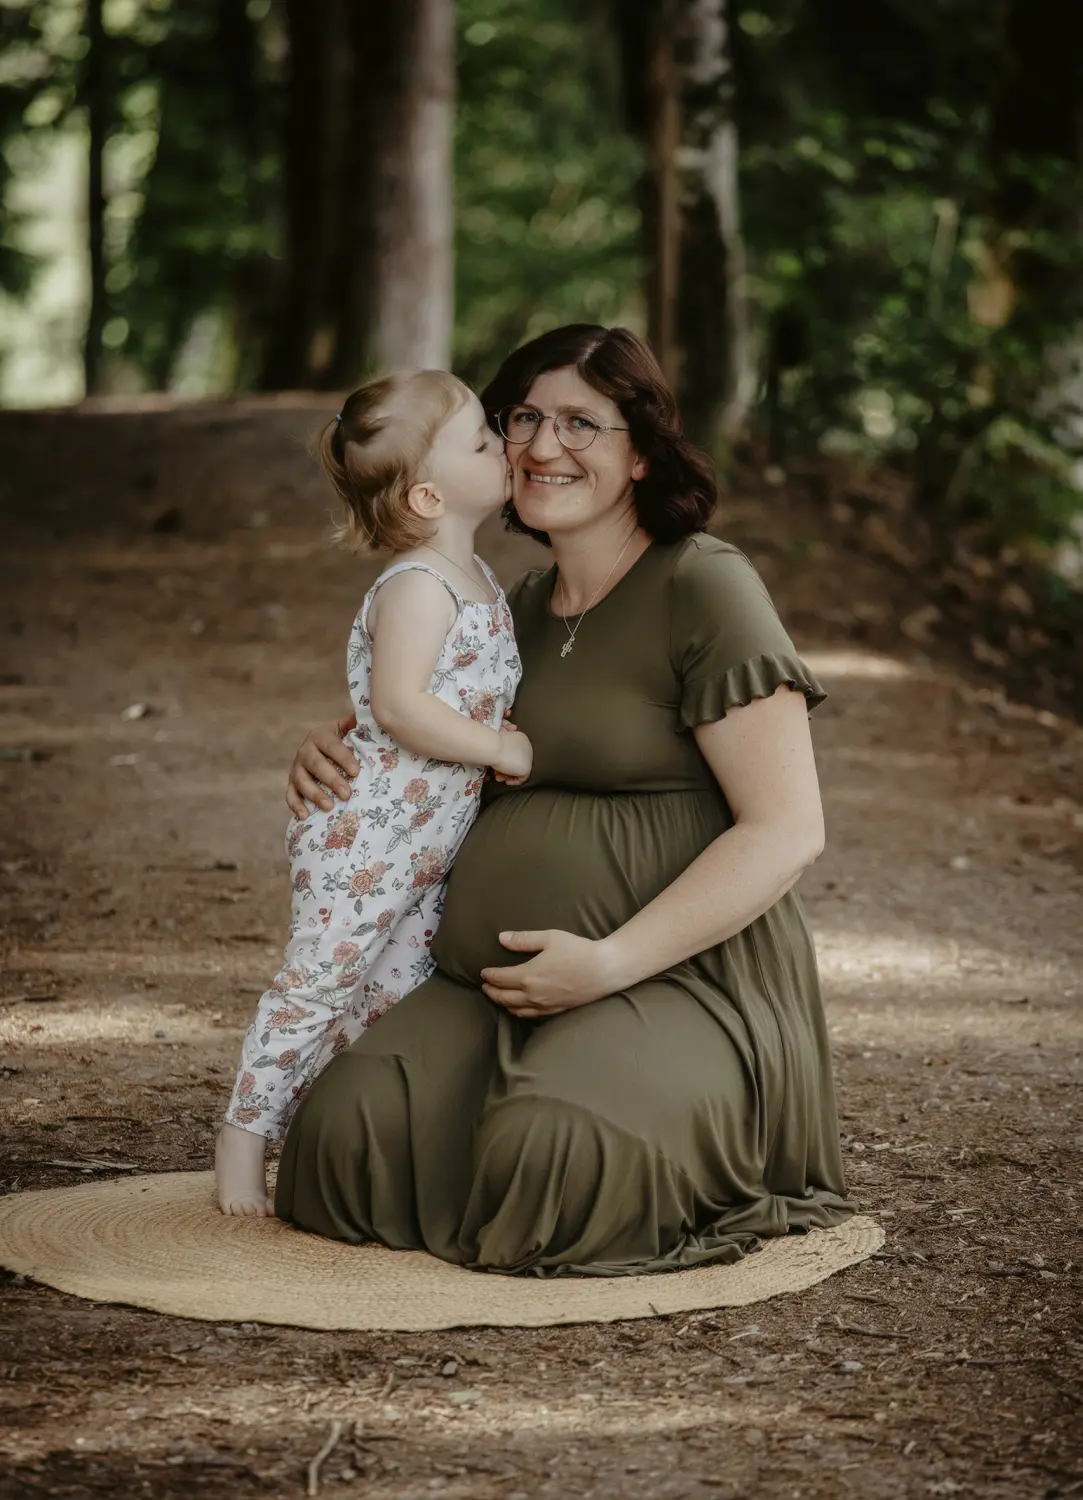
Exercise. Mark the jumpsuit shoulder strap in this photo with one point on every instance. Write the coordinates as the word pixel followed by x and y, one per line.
pixel 491 576
pixel 406 567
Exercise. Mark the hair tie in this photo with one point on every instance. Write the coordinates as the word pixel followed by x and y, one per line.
pixel 338 416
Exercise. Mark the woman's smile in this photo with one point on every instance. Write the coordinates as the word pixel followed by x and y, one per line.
pixel 534 477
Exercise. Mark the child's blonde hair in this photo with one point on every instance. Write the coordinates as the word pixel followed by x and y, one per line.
pixel 373 451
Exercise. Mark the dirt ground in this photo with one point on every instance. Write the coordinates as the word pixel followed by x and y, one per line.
pixel 177 560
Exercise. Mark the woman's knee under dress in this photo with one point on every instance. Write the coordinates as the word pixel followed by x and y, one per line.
pixel 629 1135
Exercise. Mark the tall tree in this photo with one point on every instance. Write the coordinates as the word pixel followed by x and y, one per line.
pixel 201 83
pixel 323 292
pixel 367 280
pixel 647 30
pixel 414 162
pixel 723 365
pixel 679 82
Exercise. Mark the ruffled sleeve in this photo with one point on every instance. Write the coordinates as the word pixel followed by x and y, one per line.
pixel 728 644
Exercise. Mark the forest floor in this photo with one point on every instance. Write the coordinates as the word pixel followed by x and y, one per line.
pixel 177 560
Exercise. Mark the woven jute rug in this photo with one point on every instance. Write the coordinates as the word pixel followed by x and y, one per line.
pixel 160 1242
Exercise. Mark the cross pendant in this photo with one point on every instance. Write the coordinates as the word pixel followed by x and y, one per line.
pixel 566 648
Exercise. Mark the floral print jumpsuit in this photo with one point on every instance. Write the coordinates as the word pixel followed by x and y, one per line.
pixel 368 877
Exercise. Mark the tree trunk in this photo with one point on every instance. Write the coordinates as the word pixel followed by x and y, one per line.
pixel 368 277
pixel 711 70
pixel 414 266
pixel 646 30
pixel 96 101
pixel 679 87
pixel 317 325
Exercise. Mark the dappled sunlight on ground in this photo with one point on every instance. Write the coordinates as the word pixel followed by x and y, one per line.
pixel 870 666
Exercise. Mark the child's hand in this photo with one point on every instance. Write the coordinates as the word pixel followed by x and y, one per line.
pixel 516 756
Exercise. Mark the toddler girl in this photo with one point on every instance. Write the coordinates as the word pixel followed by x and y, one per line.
pixel 432 667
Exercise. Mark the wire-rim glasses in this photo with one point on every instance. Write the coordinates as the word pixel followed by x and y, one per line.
pixel 574 430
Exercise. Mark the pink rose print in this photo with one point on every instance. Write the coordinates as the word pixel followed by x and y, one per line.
pixel 342 831
pixel 286 1015
pixel 482 706
pixel 364 882
pixel 381 1006
pixel 324 994
pixel 428 868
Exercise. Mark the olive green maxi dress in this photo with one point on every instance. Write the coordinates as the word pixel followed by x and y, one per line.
pixel 678 1122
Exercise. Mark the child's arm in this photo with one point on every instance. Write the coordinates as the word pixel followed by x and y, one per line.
pixel 408 621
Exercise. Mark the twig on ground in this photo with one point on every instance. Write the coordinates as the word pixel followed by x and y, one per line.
pixel 28 999
pixel 338 1426
pixel 1023 1359
pixel 106 1119
pixel 869 1333
pixel 92 1164
pixel 388 1386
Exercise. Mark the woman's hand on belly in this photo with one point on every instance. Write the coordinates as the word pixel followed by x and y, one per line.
pixel 567 971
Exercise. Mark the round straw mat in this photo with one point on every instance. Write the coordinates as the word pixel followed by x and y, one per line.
pixel 160 1242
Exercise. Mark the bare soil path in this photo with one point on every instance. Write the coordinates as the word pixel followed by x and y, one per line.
pixel 175 560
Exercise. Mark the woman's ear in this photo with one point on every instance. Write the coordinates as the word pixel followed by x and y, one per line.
pixel 641 468
pixel 424 501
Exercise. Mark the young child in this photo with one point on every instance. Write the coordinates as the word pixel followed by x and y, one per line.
pixel 432 667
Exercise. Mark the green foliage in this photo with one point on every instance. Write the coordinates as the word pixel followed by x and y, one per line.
pixel 547 229
pixel 37 70
pixel 546 225
pixel 870 190
pixel 198 100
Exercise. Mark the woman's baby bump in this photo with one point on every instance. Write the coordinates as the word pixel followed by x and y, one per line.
pixel 577 861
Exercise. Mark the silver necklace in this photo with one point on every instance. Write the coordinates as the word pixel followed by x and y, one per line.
pixel 565 650
pixel 430 548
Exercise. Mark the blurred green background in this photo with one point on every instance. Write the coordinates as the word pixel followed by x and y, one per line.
pixel 849 227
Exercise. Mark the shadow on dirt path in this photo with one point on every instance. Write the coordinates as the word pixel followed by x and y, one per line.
pixel 175 560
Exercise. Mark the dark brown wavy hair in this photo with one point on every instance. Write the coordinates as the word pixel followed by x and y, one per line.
pixel 678 493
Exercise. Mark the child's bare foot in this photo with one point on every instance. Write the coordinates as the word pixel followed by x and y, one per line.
pixel 240 1175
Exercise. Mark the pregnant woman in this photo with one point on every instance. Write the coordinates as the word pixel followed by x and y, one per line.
pixel 621 1063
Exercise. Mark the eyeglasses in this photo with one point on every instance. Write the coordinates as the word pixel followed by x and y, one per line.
pixel 574 429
